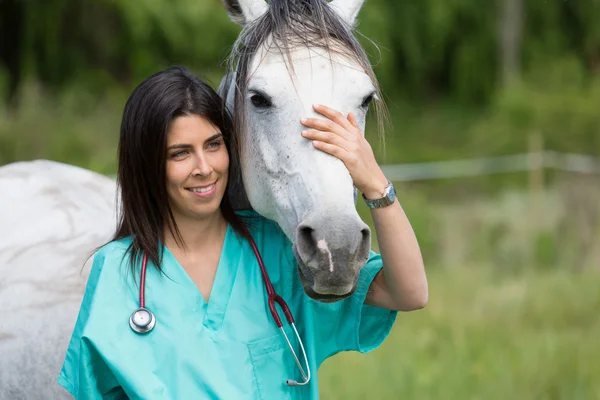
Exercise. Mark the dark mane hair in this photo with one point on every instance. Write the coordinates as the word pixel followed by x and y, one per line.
pixel 144 208
pixel 291 24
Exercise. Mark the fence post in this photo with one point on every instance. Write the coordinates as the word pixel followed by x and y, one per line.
pixel 536 188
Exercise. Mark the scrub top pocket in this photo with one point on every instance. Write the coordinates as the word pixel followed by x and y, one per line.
pixel 273 364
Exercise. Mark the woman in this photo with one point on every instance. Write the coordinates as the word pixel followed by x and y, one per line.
pixel 215 337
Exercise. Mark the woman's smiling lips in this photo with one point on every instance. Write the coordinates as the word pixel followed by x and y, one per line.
pixel 203 191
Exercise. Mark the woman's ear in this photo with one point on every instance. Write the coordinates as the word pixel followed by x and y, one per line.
pixel 244 12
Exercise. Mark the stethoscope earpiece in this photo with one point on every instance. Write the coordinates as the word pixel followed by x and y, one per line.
pixel 142 320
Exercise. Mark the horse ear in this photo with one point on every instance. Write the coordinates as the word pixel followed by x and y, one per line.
pixel 244 12
pixel 347 10
pixel 226 90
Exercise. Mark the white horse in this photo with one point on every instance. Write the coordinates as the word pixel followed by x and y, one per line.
pixel 51 217
pixel 290 55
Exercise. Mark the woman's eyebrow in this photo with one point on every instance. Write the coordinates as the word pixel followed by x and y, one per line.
pixel 179 146
pixel 213 137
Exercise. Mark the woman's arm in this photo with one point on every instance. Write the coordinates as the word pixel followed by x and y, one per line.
pixel 402 283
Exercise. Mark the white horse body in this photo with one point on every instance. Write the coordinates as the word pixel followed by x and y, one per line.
pixel 52 215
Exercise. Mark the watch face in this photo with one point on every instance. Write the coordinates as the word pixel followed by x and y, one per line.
pixel 392 193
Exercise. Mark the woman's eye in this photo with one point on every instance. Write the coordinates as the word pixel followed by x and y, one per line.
pixel 260 101
pixel 179 154
pixel 215 145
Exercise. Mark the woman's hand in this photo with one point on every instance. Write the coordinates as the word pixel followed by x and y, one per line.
pixel 341 137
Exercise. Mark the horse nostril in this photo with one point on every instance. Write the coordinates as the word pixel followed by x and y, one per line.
pixel 366 234
pixel 365 243
pixel 306 245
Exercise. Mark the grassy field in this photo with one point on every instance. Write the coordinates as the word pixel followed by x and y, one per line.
pixel 484 336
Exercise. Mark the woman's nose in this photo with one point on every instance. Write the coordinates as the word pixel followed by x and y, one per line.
pixel 203 168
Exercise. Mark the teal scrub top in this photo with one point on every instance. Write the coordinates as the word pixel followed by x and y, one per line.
pixel 226 348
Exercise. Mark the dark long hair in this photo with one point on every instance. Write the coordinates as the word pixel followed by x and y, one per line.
pixel 143 200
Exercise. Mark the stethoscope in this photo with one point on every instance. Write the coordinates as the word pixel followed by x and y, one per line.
pixel 142 320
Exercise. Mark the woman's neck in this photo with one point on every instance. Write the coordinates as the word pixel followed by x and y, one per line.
pixel 197 234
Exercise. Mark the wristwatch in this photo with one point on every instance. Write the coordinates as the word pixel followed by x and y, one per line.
pixel 389 195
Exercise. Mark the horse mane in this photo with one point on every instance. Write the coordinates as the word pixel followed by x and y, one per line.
pixel 289 24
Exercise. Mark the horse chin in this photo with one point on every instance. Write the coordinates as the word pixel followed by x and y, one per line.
pixel 307 279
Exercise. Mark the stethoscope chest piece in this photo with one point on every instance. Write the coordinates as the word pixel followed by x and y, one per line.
pixel 142 320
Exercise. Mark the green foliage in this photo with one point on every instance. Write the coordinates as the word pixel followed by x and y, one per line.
pixel 560 102
pixel 122 41
pixel 75 127
pixel 430 49
pixel 440 47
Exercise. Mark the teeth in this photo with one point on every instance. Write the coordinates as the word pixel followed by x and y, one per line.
pixel 203 190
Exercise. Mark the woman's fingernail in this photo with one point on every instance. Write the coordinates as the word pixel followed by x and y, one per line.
pixel 304 133
pixel 303 120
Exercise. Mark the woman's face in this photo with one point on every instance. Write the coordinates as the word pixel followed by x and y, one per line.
pixel 197 167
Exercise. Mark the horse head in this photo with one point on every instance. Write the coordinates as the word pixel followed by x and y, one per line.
pixel 289 56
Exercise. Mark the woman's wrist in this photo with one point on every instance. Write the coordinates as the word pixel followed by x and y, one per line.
pixel 376 188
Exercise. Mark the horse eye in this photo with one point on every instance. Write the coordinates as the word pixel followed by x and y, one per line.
pixel 260 101
pixel 367 100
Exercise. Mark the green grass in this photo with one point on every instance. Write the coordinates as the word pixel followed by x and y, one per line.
pixel 484 336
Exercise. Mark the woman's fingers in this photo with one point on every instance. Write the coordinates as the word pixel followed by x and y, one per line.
pixel 336 122
pixel 332 149
pixel 324 136
pixel 352 121
pixel 333 115
pixel 325 125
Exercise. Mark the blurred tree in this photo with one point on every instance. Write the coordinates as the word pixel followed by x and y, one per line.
pixel 72 39
pixel 120 42
pixel 443 48
pixel 510 30
pixel 11 45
